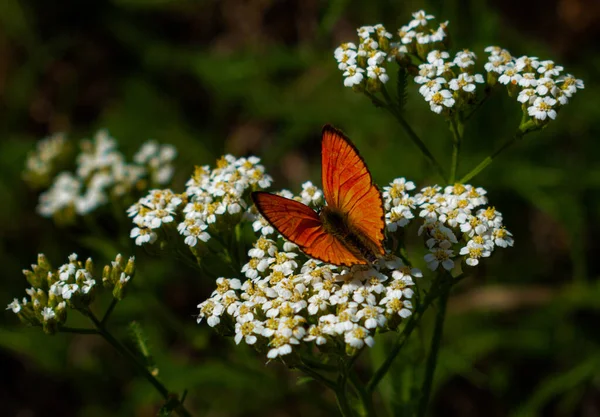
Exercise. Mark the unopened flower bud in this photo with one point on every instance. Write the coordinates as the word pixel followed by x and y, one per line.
pixel 32 278
pixel 43 262
pixel 106 281
pixel 130 267
pixel 89 265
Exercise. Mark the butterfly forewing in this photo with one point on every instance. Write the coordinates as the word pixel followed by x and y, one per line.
pixel 348 186
pixel 301 225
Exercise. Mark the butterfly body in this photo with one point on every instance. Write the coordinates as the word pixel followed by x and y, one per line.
pixel 338 225
pixel 349 230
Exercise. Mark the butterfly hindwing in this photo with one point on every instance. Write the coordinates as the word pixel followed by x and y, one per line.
pixel 301 225
pixel 348 186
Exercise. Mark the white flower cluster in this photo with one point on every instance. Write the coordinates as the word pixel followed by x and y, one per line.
pixel 289 300
pixel 53 290
pixel 285 303
pixel 210 195
pixel 102 174
pixel 454 222
pixel 375 49
pixel 71 285
pixel 448 84
pixel 539 85
pixel 41 164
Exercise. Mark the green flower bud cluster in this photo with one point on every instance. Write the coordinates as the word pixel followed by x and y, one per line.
pixel 117 275
pixel 72 285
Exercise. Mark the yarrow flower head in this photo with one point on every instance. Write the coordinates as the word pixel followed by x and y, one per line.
pixel 102 175
pixel 72 285
pixel 213 199
pixel 50 155
pixel 287 302
pixel 538 85
pixel 449 84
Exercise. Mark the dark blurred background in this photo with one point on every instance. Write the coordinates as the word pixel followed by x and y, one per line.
pixel 258 77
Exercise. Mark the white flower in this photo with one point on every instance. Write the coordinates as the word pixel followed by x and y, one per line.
pixel 354 75
pixel 549 68
pixel 48 314
pixel 311 195
pixel 474 251
pixel 466 82
pixel 439 100
pixel 510 75
pixel 527 95
pixel 379 73
pixel 528 80
pixel 420 18
pixel 14 306
pixel 439 256
pixel 542 108
pixel 358 337
pixel 432 86
pixel 437 57
pixel 464 59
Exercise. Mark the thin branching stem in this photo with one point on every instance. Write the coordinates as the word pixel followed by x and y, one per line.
pixel 140 367
pixel 391 107
pixel 436 341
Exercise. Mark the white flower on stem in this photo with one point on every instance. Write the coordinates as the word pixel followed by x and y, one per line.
pixel 143 235
pixel 426 73
pixel 528 80
pixel 543 108
pixel 439 100
pixel 432 86
pixel 15 306
pixel 354 76
pixel 248 331
pixel 346 59
pixel 440 33
pixel 544 86
pixel 510 75
pixel 527 63
pixel 549 68
pixel 420 18
pixel 437 57
pixel 378 73
pixel 440 255
pixel 311 195
pixel 495 64
pixel 358 337
pixel 372 317
pixel 341 50
pixel 464 59
pixel 569 84
pixel 466 82
pixel 502 237
pixel 365 32
pixel 473 252
pixel 263 225
pixel 527 96
pixel 375 58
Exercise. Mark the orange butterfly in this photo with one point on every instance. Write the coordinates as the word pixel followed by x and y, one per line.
pixel 349 230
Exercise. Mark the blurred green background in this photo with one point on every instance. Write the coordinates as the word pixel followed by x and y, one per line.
pixel 258 77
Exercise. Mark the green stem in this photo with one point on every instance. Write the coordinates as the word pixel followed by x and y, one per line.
pixel 389 106
pixel 401 341
pixel 365 396
pixel 483 164
pixel 456 141
pixel 109 311
pixel 317 376
pixel 340 394
pixel 77 330
pixel 436 340
pixel 141 368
